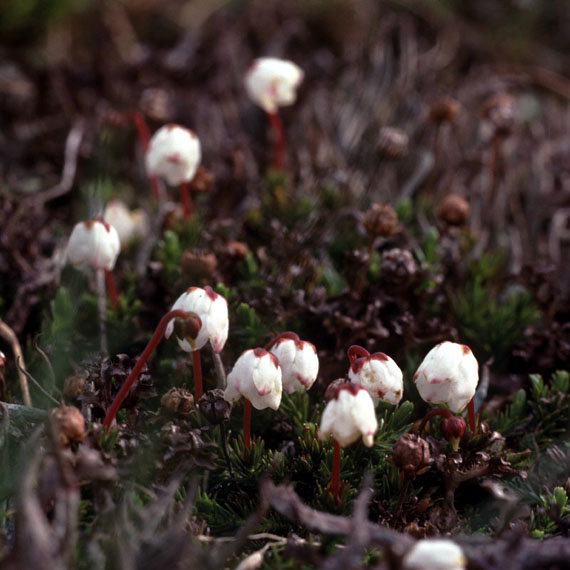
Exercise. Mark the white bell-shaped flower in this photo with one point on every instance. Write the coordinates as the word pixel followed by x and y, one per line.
pixel 380 376
pixel 173 154
pixel 272 83
pixel 349 415
pixel 256 375
pixel 448 375
pixel 212 309
pixel 435 555
pixel 299 363
pixel 95 244
pixel 129 225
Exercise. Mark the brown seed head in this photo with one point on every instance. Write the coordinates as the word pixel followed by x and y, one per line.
pixel 178 402
pixel 500 111
pixel 235 250
pixel 393 142
pixel 411 454
pixel 381 220
pixel 203 181
pixel 214 407
pixel 198 265
pixel 69 423
pixel 73 386
pixel 454 210
pixel 444 110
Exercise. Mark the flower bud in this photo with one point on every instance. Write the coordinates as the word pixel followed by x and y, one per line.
pixel 129 225
pixel 381 220
pixel 349 415
pixel 173 154
pixel 411 454
pixel 448 375
pixel 73 386
pixel 380 376
pixel 214 407
pixel 299 363
pixel 69 423
pixel 198 265
pixel 178 401
pixel 272 83
pixel 257 376
pixel 499 110
pixel 435 555
pixel 393 142
pixel 454 210
pixel 444 110
pixel 95 244
pixel 397 267
pixel 452 430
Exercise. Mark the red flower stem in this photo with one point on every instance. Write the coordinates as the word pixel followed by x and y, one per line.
pixel 154 187
pixel 471 416
pixel 197 374
pixel 112 291
pixel 335 475
pixel 284 335
pixel 142 129
pixel 112 412
pixel 356 351
pixel 185 191
pixel 432 413
pixel 247 424
pixel 278 140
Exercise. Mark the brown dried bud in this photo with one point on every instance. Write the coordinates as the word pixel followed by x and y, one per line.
pixel 452 430
pixel 214 407
pixel 444 110
pixel 381 220
pixel 332 389
pixel 73 386
pixel 393 142
pixel 411 454
pixel 454 210
pixel 203 181
pixel 235 250
pixel 397 266
pixel 198 265
pixel 69 423
pixel 178 402
pixel 500 111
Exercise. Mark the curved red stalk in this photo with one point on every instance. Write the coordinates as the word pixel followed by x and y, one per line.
pixel 471 416
pixel 335 475
pixel 197 374
pixel 432 413
pixel 355 351
pixel 278 140
pixel 247 424
pixel 142 129
pixel 112 291
pixel 284 335
pixel 112 412
pixel 185 191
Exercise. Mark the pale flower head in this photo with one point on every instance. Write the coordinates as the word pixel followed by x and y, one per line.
pixel 95 244
pixel 349 415
pixel 272 83
pixel 299 363
pixel 212 310
pixel 256 375
pixel 448 375
pixel 173 154
pixel 435 555
pixel 380 376
pixel 129 224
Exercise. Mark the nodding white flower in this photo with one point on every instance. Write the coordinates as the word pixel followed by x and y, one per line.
pixel 435 555
pixel 173 154
pixel 349 415
pixel 299 363
pixel 257 376
pixel 380 376
pixel 212 310
pixel 129 225
pixel 448 375
pixel 95 244
pixel 272 83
